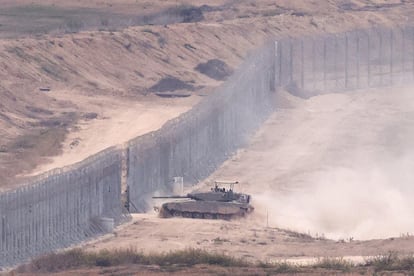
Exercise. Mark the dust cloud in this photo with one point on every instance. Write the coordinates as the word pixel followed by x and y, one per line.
pixel 347 203
pixel 339 166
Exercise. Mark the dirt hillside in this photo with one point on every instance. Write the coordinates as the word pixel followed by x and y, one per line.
pixel 77 73
pixel 80 76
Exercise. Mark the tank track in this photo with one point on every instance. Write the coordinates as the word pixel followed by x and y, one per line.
pixel 165 213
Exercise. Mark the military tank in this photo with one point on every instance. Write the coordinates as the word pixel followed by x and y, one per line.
pixel 219 203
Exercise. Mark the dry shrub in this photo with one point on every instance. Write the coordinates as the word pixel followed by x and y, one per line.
pixel 391 262
pixel 56 262
pixel 334 264
pixel 76 258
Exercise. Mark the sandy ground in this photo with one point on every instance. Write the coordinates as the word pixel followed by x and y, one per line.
pixel 249 239
pixel 112 63
pixel 335 169
pixel 337 166
pixel 116 122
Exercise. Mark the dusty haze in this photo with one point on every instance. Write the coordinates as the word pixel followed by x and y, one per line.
pixel 335 166
pixel 338 165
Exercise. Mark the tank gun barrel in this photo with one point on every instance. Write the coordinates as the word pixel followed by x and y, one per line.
pixel 172 196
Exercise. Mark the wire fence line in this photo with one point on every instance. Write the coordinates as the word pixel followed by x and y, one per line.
pixel 60 209
pixel 65 206
pixel 197 142
pixel 357 59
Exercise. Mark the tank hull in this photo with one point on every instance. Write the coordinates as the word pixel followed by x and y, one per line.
pixel 205 209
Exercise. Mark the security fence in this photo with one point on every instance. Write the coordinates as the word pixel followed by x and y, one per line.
pixel 195 143
pixel 374 57
pixel 75 203
pixel 62 207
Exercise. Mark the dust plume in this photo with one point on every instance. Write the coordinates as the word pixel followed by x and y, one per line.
pixel 339 166
pixel 348 203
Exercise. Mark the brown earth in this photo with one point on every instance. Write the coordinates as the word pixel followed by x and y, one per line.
pixel 118 65
pixel 334 169
pixel 100 82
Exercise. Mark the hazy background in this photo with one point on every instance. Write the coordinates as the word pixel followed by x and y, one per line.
pixel 336 165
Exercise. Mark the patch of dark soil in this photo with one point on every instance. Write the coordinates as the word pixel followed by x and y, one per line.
pixel 208 8
pixel 300 14
pixel 189 47
pixel 173 94
pixel 27 151
pixel 33 147
pixel 39 110
pixel 190 14
pixel 42 142
pixel 348 6
pixel 215 69
pixel 169 84
pixel 90 116
pixel 177 14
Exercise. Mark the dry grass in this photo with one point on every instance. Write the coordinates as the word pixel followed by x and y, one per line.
pixel 78 258
pixel 391 262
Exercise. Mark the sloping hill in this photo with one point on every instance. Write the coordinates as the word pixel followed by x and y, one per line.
pixel 60 89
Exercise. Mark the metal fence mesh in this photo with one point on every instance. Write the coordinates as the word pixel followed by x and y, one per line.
pixel 357 59
pixel 61 208
pixel 64 206
pixel 195 143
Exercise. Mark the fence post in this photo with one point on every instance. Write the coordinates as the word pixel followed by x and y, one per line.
pixel 403 54
pixel 324 63
pixel 412 53
pixel 346 60
pixel 369 57
pixel 291 60
pixel 280 54
pixel 381 55
pixel 336 61
pixel 302 74
pixel 358 55
pixel 391 56
pixel 313 64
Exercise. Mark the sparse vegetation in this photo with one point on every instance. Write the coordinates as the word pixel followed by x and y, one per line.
pixel 391 262
pixel 334 264
pixel 219 240
pixel 55 19
pixel 52 70
pixel 215 69
pixel 77 258
pixel 161 40
pixel 170 84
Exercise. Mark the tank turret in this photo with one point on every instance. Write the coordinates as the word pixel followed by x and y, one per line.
pixel 219 203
